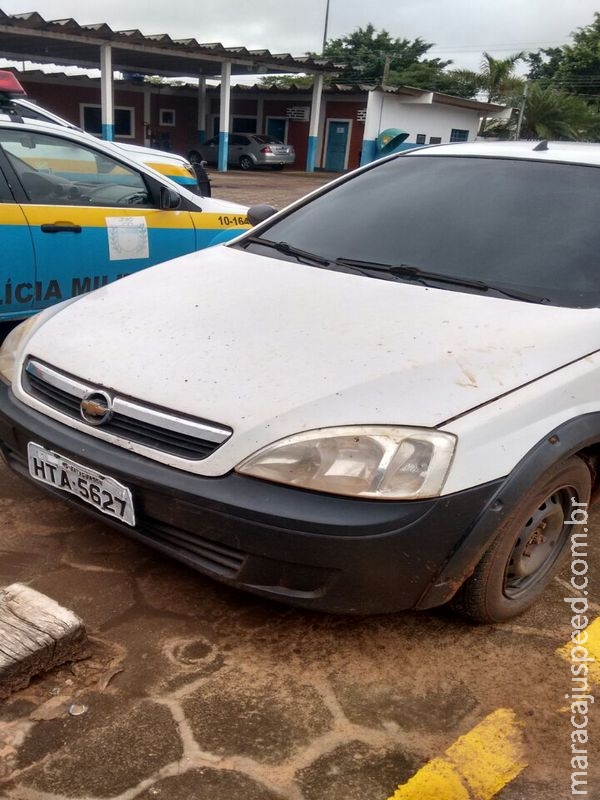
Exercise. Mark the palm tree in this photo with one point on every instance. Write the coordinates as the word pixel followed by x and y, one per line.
pixel 552 114
pixel 497 76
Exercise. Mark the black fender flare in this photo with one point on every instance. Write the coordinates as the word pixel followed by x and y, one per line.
pixel 567 439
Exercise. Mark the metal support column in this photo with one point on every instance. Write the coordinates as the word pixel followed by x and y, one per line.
pixel 224 115
pixel 313 133
pixel 106 93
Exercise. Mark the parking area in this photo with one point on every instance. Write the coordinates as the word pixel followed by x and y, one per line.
pixel 194 691
pixel 266 186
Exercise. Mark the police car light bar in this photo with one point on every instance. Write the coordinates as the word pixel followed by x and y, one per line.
pixel 9 84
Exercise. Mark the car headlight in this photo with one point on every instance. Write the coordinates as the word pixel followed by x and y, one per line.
pixel 370 461
pixel 16 339
pixel 11 346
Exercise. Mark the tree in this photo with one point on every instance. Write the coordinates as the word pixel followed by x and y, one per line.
pixel 287 81
pixel 429 75
pixel 544 63
pixel 496 77
pixel 573 68
pixel 367 55
pixel 551 114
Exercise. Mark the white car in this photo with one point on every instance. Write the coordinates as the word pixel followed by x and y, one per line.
pixel 384 397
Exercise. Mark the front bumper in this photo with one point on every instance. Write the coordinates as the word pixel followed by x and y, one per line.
pixel 318 551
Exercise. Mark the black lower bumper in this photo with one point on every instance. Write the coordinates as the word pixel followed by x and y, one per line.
pixel 317 551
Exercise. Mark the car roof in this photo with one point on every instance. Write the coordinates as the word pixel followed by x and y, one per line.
pixel 572 152
pixel 72 134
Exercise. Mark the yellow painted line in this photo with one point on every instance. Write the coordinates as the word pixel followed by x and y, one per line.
pixel 476 767
pixel 585 645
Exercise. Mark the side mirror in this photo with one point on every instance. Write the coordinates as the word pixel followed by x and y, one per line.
pixel 169 199
pixel 260 212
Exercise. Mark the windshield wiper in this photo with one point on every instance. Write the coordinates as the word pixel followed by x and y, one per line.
pixel 284 247
pixel 408 272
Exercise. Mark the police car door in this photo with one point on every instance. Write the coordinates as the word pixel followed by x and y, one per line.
pixel 93 219
pixel 17 267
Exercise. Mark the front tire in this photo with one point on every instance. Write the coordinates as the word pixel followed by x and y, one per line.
pixel 530 547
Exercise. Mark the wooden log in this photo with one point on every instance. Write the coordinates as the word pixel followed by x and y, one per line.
pixel 36 634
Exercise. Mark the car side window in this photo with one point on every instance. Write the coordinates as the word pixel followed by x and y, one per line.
pixel 57 171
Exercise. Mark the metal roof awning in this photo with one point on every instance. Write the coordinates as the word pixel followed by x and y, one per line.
pixel 66 42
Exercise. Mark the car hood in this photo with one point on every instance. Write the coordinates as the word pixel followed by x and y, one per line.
pixel 272 347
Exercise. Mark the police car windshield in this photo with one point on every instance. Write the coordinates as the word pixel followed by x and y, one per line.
pixel 518 224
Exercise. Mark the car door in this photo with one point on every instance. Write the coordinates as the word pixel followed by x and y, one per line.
pixel 17 271
pixel 238 147
pixel 92 218
pixel 209 150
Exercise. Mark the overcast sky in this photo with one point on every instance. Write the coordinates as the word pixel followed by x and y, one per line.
pixel 459 29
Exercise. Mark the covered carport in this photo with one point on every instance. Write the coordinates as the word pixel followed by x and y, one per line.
pixel 67 43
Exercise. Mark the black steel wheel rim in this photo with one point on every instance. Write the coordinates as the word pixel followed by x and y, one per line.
pixel 539 544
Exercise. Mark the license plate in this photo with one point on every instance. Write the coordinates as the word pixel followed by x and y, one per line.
pixel 101 491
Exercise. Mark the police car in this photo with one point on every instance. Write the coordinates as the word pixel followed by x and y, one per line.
pixel 383 397
pixel 14 106
pixel 76 214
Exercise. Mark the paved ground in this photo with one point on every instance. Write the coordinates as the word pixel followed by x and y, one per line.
pixel 193 691
pixel 266 186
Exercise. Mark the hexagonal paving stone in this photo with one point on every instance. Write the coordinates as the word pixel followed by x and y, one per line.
pixel 437 710
pixel 205 784
pixel 264 716
pixel 109 749
pixel 356 771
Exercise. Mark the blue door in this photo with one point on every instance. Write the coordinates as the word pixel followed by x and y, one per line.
pixel 337 142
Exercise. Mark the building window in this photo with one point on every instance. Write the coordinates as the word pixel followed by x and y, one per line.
pixel 91 120
pixel 435 140
pixel 166 117
pixel 421 138
pixel 457 135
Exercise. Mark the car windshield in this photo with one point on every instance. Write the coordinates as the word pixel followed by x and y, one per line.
pixel 522 226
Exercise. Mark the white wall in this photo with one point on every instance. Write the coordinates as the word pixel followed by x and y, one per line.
pixel 431 119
